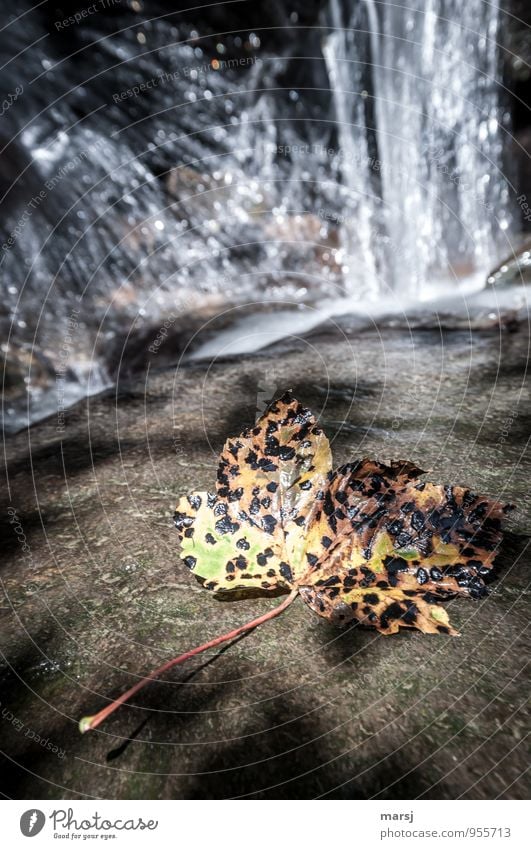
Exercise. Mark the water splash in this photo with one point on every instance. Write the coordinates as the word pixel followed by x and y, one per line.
pixel 241 174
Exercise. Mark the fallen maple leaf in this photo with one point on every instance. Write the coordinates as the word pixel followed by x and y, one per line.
pixel 366 543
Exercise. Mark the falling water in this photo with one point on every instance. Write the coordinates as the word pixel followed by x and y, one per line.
pixel 420 79
pixel 246 174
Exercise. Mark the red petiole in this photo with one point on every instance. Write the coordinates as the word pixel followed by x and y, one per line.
pixel 88 723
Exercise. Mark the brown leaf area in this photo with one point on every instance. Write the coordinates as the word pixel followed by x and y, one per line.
pixel 368 543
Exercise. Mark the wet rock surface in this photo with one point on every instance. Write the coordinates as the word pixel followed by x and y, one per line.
pixel 95 594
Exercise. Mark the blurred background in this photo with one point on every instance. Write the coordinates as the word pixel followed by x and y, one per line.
pixel 202 208
pixel 192 172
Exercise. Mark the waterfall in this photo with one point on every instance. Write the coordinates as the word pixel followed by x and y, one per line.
pixel 419 81
pixel 158 181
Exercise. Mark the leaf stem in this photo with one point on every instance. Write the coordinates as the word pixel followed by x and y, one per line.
pixel 88 723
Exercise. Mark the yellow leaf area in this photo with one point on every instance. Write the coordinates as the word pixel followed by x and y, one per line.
pixel 367 542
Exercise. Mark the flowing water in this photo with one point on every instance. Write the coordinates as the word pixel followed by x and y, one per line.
pixel 159 182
